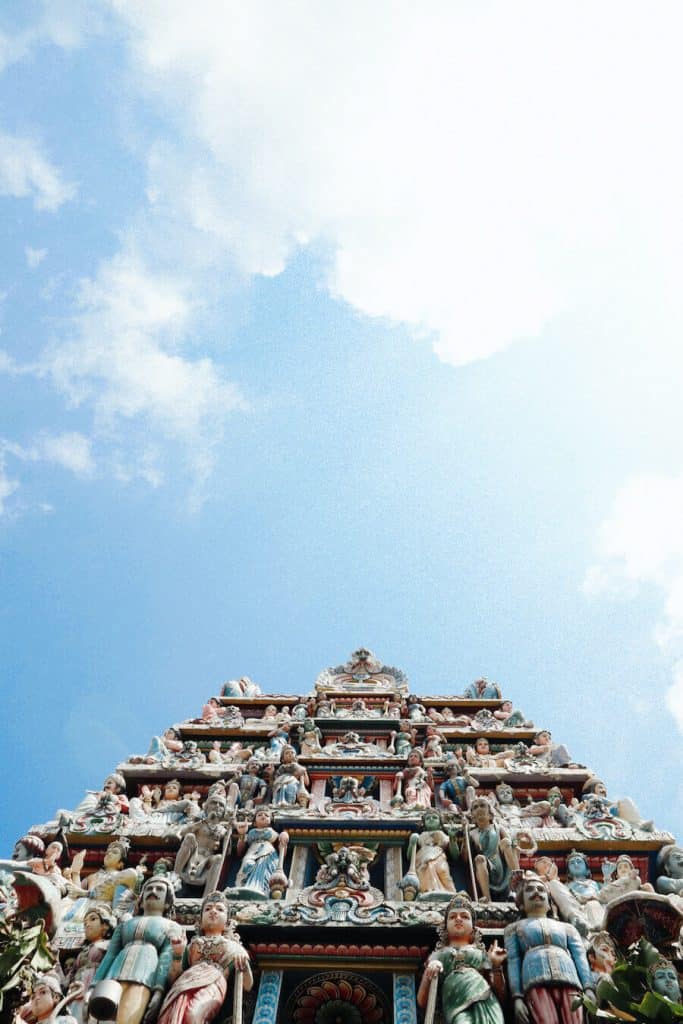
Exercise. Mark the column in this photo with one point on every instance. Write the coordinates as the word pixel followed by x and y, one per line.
pixel 268 998
pixel 393 872
pixel 405 1009
pixel 297 872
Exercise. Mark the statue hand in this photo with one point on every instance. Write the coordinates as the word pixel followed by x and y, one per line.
pixel 497 954
pixel 78 862
pixel 433 968
pixel 241 961
pixel 521 1011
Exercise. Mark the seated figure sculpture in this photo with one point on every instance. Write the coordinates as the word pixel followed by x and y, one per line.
pixel 670 866
pixel 200 856
pixel 428 853
pixel 482 689
pixel 413 785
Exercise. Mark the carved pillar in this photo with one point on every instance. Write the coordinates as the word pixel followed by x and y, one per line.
pixel 385 793
pixel 297 872
pixel 393 871
pixel 268 998
pixel 405 1009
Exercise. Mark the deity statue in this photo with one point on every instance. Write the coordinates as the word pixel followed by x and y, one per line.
pixel 532 815
pixel 483 757
pixel 621 876
pixel 212 712
pixel 415 711
pixel 663 979
pixel 602 956
pixel 402 742
pixel 490 845
pixel 48 866
pixel 511 718
pixel 215 951
pixel 100 810
pixel 154 811
pixel 568 906
pixel 243 687
pixel 458 789
pixel 552 753
pixel 428 857
pixel 547 965
pixel 45 1003
pixel 309 738
pixel 251 786
pixel 670 866
pixel 140 954
pixel 98 926
pixel 482 689
pixel 200 856
pixel 433 744
pixel 473 980
pixel 618 816
pixel 161 748
pixel 29 846
pixel 413 785
pixel 258 847
pixel 290 781
pixel 113 884
pixel 584 889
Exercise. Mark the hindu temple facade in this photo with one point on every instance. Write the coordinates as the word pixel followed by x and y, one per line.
pixel 376 855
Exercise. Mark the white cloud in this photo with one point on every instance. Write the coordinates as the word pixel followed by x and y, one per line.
pixel 34 257
pixel 25 171
pixel 472 172
pixel 70 450
pixel 7 487
pixel 641 544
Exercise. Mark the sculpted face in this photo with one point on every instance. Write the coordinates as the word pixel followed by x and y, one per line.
pixel 113 857
pixel 535 898
pixel 154 894
pixel 624 867
pixel 674 864
pixel 431 820
pixel 459 925
pixel 577 867
pixel 54 851
pixel 665 982
pixel 604 957
pixel 172 790
pixel 504 793
pixel 93 927
pixel 600 789
pixel 481 813
pixel 482 746
pixel 43 1000
pixel 110 785
pixel 262 819
pixel 214 917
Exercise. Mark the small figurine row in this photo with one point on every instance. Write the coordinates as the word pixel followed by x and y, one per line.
pixel 544 970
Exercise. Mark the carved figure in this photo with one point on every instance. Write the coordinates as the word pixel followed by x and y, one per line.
pixel 545 750
pixel 670 864
pixel 402 741
pixel 663 979
pixel 584 889
pixel 345 866
pixel 112 884
pixel 483 757
pixel 243 687
pixel 472 979
pixel 258 847
pixel 434 741
pixel 567 904
pixel 100 810
pixel 621 877
pixel 495 857
pixel 482 689
pixel 251 786
pixel 602 956
pixel 140 954
pixel 547 965
pixel 289 781
pixel 597 807
pixel 198 994
pixel 533 815
pixel 45 1003
pixel 153 811
pixel 309 738
pixel 99 927
pixel 48 866
pixel 427 851
pixel 199 859
pixel 458 790
pixel 161 748
pixel 415 711
pixel 415 781
pixel 511 718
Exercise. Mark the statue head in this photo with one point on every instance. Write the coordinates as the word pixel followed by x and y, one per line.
pixel 543 737
pixel 594 786
pixel 482 746
pixel 116 854
pixel 431 819
pixel 532 896
pixel 663 979
pixel 28 846
pixel 459 921
pixel 172 790
pixel 114 783
pixel 670 861
pixel 45 996
pixel 214 914
pixel 415 758
pixel 504 793
pixel 157 897
pixel 287 754
pixel 625 866
pixel 481 812
pixel 602 953
pixel 577 865
pixel 99 922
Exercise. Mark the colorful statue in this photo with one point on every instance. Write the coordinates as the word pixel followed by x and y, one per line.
pixel 98 926
pixel 491 847
pixel 199 859
pixel 258 847
pixel 140 954
pixel 602 956
pixel 197 995
pixel 483 757
pixel 457 791
pixel 251 786
pixel 309 738
pixel 472 979
pixel 289 781
pixel 584 889
pixel 413 785
pixel 482 689
pixel 663 979
pixel 427 853
pixel 46 1002
pixel 670 865
pixel 547 965
pixel 511 718
pixel 100 810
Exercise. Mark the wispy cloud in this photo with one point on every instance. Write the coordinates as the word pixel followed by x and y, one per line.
pixel 641 544
pixel 25 171
pixel 34 257
pixel 7 486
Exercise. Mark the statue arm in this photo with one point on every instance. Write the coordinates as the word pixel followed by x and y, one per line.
pixel 113 949
pixel 575 946
pixel 514 961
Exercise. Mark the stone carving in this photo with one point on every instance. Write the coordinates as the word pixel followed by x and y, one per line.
pixel 363 671
pixel 101 810
pixel 670 866
pixel 199 859
pixel 489 849
pixel 243 687
pixel 156 812
pixel 544 986
pixel 429 874
pixel 262 851
pixel 457 791
pixel 482 689
pixel 290 781
pixel 198 994
pixel 47 1002
pixel 413 788
pixel 98 928
pixel 472 978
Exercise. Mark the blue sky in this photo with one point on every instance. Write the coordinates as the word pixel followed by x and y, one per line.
pixel 328 326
